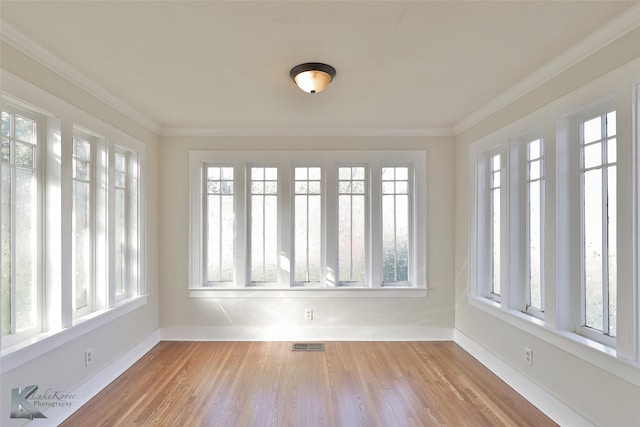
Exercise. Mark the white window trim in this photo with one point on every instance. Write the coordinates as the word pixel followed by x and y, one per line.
pixel 481 223
pixel 518 220
pixel 58 324
pixel 569 142
pixel 17 107
pixel 292 158
pixel 558 326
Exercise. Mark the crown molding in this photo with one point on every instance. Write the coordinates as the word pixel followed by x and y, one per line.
pixel 353 132
pixel 26 45
pixel 611 31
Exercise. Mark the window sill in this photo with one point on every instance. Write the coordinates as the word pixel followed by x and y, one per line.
pixel 308 293
pixel 44 342
pixel 588 350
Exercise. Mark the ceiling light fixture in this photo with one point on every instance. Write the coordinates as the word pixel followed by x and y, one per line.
pixel 312 77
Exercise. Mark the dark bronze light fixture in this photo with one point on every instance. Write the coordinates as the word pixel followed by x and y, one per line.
pixel 312 77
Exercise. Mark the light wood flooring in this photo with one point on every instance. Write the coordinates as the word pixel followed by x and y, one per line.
pixel 349 384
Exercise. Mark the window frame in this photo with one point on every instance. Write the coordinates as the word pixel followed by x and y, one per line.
pixel 58 324
pixel 411 184
pixel 519 221
pixel 483 242
pixel 528 307
pixel 132 209
pixel 323 223
pixel 287 161
pixel 16 106
pixel 600 108
pixel 96 199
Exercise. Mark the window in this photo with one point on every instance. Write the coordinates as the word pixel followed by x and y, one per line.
pixel 395 224
pixel 219 214
pixel 20 218
pixel 126 228
pixel 308 220
pixel 307 213
pixel 352 218
pixel 494 222
pixel 598 229
pixel 569 204
pixel 82 227
pixel 534 234
pixel 510 230
pixel 89 248
pixel 264 224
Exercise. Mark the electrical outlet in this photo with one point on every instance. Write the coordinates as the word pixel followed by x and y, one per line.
pixel 308 314
pixel 528 356
pixel 88 357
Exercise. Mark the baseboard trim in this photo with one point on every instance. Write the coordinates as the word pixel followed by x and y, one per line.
pixel 536 395
pixel 289 333
pixel 87 390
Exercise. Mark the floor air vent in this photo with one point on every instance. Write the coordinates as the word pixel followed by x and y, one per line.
pixel 308 346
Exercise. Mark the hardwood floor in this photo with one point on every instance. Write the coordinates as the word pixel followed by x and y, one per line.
pixel 267 384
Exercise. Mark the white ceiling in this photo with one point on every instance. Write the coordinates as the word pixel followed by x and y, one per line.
pixel 220 65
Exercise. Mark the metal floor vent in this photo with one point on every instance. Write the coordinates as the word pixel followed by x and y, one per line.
pixel 308 346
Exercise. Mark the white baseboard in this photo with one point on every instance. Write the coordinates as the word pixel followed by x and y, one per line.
pixel 289 333
pixel 95 384
pixel 536 395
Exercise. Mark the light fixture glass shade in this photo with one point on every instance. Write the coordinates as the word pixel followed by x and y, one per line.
pixel 312 77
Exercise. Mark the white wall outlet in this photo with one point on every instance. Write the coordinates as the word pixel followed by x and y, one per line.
pixel 528 356
pixel 308 314
pixel 88 357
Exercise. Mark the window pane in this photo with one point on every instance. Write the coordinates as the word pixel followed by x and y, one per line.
pixel 612 247
pixel 5 151
pixel 592 155
pixel 495 250
pixel 7 252
pixel 612 155
pixel 19 239
pixel 25 155
pixel 351 225
pixel 220 225
pixel 611 124
pixel 533 149
pixel 495 163
pixel 25 129
pixel 600 228
pixel 6 123
pixel 308 225
pixel 593 249
pixel 592 130
pixel 494 218
pixel 82 150
pixel 534 170
pixel 395 226
pixel 81 244
pixel 120 241
pixel 264 225
pixel 25 249
pixel 535 246
pixel 535 221
pixel 82 225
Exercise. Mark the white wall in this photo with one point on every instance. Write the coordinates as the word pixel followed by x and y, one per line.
pixel 609 396
pixel 62 368
pixel 282 318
